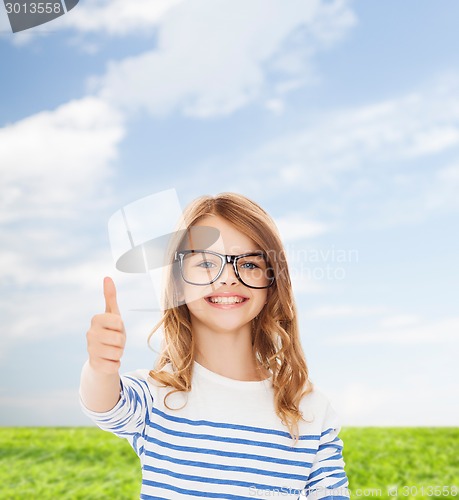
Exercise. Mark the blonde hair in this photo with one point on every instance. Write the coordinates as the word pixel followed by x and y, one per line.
pixel 275 335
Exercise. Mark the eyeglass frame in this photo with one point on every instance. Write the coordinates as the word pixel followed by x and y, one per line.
pixel 225 259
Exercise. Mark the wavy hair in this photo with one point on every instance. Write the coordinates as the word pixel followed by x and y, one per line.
pixel 275 334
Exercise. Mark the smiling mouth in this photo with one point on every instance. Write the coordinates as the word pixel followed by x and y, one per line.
pixel 226 300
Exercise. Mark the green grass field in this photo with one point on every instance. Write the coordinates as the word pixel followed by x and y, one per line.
pixel 88 463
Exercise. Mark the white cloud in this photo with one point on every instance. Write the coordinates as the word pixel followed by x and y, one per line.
pixel 420 401
pixel 54 159
pixel 55 168
pixel 54 298
pixel 357 403
pixel 296 226
pixel 434 140
pixel 51 408
pixel 276 106
pixel 449 174
pixel 354 157
pixel 5 27
pixel 345 311
pixel 59 297
pixel 400 320
pixel 415 125
pixel 441 192
pixel 118 17
pixel 443 331
pixel 304 285
pixel 212 58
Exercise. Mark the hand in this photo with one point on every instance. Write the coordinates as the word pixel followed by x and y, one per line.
pixel 107 337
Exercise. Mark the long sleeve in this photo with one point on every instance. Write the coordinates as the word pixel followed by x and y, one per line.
pixel 128 418
pixel 327 478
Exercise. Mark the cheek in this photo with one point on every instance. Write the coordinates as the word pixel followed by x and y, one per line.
pixel 192 294
pixel 260 300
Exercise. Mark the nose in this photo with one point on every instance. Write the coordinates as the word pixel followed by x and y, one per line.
pixel 228 274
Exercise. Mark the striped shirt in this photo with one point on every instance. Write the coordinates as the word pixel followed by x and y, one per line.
pixel 223 440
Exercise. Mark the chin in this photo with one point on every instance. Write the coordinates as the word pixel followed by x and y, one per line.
pixel 229 324
pixel 221 324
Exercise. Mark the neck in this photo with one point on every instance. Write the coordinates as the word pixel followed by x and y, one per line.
pixel 228 353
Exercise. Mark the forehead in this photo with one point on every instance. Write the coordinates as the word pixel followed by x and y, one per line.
pixel 231 240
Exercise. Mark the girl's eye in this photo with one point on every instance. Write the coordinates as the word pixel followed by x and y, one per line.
pixel 249 265
pixel 206 264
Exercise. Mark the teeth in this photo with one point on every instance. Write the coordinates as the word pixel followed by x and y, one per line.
pixel 226 300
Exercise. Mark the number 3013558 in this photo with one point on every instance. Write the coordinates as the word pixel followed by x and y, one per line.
pixel 33 8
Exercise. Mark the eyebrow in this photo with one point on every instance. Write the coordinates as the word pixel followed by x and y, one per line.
pixel 223 253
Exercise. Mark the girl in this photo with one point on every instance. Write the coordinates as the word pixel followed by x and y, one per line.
pixel 229 410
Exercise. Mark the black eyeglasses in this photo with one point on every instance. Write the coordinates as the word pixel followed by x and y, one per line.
pixel 204 267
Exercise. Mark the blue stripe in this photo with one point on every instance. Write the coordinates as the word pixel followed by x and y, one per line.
pixel 191 492
pixel 324 469
pixel 137 381
pixel 103 420
pixel 209 480
pixel 134 443
pixel 222 425
pixel 144 389
pixel 248 442
pixel 149 497
pixel 331 445
pixel 121 424
pixel 324 433
pixel 334 497
pixel 117 425
pixel 147 406
pixel 223 467
pixel 223 453
pixel 338 474
pixel 135 398
pixel 147 418
pixel 125 435
pixel 340 483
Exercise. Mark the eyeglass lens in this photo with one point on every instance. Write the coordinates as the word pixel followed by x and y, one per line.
pixel 202 268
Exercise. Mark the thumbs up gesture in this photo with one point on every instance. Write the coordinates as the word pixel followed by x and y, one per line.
pixel 107 337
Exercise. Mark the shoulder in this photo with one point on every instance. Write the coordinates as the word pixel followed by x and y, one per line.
pixel 316 398
pixel 142 375
pixel 316 405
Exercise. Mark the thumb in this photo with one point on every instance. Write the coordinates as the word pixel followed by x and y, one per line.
pixel 111 306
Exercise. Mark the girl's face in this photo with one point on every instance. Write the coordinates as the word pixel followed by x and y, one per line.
pixel 227 304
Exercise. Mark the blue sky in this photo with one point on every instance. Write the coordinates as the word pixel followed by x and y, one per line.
pixel 341 118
